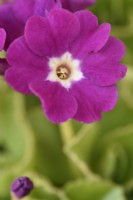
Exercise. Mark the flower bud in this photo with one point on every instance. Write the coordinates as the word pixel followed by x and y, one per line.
pixel 21 187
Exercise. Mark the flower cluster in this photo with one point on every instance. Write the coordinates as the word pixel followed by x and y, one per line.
pixel 64 57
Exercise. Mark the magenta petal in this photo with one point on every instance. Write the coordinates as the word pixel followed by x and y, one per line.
pixel 88 24
pixel 100 37
pixel 11 25
pixel 65 27
pixel 2 38
pixel 5 1
pixel 92 100
pixel 87 111
pixel 41 6
pixel 57 103
pixel 75 5
pixel 39 36
pixel 105 74
pixel 112 52
pixel 27 9
pixel 32 7
pixel 104 67
pixel 25 66
pixel 105 97
pixel 18 54
pixel 96 41
pixel 20 77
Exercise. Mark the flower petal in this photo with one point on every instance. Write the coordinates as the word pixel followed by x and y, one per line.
pixel 2 38
pixel 27 9
pixel 65 27
pixel 96 41
pixel 88 24
pixel 57 103
pixel 19 54
pixel 104 67
pixel 32 7
pixel 75 5
pixel 92 100
pixel 25 66
pixel 112 52
pixel 105 74
pixel 39 36
pixel 100 37
pixel 19 78
pixel 10 23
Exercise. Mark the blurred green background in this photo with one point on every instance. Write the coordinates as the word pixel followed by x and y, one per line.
pixel 72 161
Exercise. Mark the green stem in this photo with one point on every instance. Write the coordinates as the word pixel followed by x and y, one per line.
pixel 66 131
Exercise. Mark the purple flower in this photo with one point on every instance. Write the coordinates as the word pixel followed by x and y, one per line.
pixel 70 63
pixel 75 5
pixel 21 187
pixel 2 38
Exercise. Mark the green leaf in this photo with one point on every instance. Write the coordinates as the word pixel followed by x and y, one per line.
pixel 49 158
pixel 94 190
pixel 115 12
pixel 79 148
pixel 116 193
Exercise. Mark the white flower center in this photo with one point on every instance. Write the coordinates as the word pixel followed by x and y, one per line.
pixel 65 70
